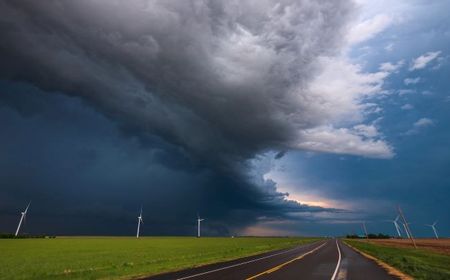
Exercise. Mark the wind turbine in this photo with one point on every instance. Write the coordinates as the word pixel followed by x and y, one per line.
pixel 139 223
pixel 198 225
pixel 22 218
pixel 406 226
pixel 397 227
pixel 365 229
pixel 433 226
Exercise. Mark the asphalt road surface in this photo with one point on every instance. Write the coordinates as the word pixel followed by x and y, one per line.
pixel 327 259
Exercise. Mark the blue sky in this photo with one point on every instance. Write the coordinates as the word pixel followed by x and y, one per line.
pixel 222 109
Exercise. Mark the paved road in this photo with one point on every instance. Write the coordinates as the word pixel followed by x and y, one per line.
pixel 328 259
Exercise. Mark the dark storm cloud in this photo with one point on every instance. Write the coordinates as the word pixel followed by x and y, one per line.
pixel 85 178
pixel 204 85
pixel 212 76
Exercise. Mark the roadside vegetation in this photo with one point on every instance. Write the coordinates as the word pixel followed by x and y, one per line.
pixel 22 236
pixel 116 257
pixel 418 263
pixel 369 236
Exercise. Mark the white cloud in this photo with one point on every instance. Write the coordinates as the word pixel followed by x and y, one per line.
pixel 340 91
pixel 391 67
pixel 405 91
pixel 368 131
pixel 423 122
pixel 407 107
pixel 367 29
pixel 419 125
pixel 389 47
pixel 422 61
pixel 411 81
pixel 361 140
pixel 339 99
pixel 439 62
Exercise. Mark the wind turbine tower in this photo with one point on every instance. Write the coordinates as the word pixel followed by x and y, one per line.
pixel 433 226
pixel 22 218
pixel 406 225
pixel 139 223
pixel 198 225
pixel 407 233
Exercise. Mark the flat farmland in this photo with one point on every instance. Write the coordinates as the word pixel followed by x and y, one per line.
pixel 437 245
pixel 124 257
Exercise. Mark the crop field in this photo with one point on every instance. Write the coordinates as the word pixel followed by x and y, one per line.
pixel 123 258
pixel 421 263
pixel 441 245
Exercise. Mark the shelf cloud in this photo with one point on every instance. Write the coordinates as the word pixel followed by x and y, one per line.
pixel 220 82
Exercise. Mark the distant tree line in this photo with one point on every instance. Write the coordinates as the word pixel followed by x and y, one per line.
pixel 23 236
pixel 370 236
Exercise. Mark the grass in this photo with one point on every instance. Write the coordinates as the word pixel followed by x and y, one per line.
pixel 418 263
pixel 123 258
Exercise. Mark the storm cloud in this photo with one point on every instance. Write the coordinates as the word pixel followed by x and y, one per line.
pixel 203 87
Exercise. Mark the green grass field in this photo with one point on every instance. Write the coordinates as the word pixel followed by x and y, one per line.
pixel 123 258
pixel 418 263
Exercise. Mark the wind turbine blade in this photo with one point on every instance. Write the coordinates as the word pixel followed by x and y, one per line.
pixel 28 206
pixel 398 229
pixel 435 233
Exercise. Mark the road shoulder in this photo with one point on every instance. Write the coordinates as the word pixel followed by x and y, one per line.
pixel 389 269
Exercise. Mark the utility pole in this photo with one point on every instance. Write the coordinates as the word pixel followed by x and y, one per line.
pixel 406 225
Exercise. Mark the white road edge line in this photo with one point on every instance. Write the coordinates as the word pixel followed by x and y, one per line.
pixel 338 263
pixel 238 264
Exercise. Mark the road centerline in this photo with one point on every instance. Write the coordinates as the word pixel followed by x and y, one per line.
pixel 285 263
pixel 242 263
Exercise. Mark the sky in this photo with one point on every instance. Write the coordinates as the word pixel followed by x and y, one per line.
pixel 263 117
